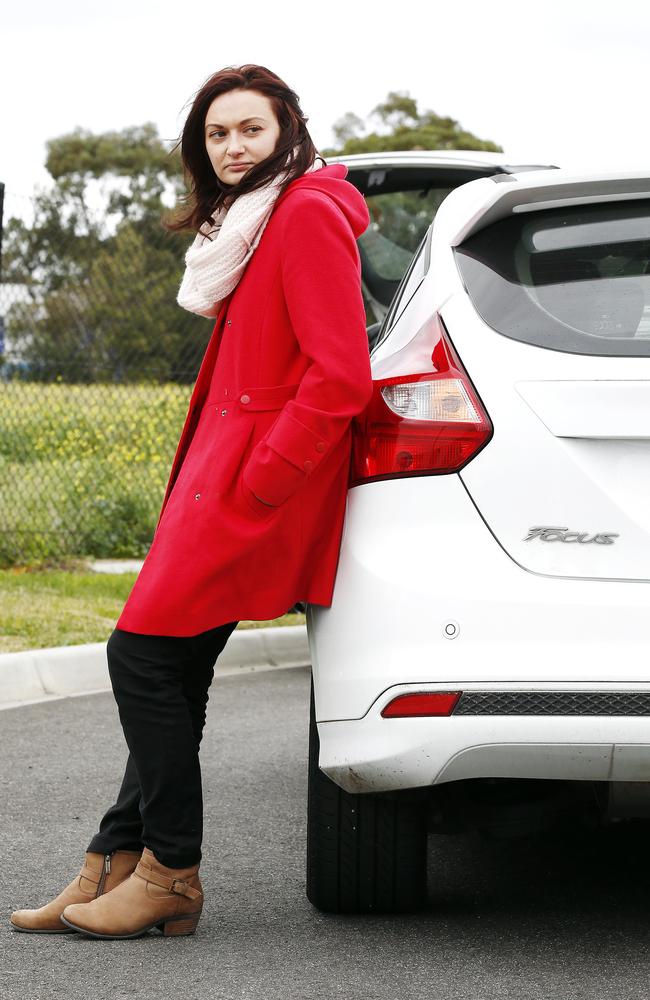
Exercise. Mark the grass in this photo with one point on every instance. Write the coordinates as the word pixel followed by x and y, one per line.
pixel 83 468
pixel 43 606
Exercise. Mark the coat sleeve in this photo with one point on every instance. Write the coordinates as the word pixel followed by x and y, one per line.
pixel 321 277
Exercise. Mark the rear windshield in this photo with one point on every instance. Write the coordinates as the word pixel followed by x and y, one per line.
pixel 573 279
pixel 398 222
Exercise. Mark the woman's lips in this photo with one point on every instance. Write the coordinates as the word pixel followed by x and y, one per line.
pixel 239 166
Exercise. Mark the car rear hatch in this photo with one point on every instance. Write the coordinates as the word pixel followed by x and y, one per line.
pixel 403 191
pixel 553 326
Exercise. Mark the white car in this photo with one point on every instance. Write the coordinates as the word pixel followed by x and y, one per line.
pixel 485 661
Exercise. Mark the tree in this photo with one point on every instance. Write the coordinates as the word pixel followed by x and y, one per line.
pixel 100 269
pixel 404 127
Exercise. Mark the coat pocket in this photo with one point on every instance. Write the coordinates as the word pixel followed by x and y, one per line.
pixel 262 511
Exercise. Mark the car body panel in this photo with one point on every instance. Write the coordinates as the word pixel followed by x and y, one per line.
pixel 589 478
pixel 415 555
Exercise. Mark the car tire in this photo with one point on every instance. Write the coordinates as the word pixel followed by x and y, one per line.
pixel 366 853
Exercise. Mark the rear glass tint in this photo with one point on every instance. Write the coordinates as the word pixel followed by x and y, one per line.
pixel 574 279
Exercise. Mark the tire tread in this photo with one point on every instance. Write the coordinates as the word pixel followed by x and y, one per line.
pixel 366 853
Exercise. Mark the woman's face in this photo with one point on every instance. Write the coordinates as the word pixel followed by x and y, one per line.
pixel 240 130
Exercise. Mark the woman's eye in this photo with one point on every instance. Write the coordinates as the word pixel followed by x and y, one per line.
pixel 251 128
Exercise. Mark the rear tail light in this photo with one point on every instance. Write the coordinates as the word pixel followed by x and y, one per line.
pixel 432 422
pixel 427 703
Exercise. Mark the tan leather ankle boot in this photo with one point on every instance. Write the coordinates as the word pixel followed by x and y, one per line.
pixel 170 899
pixel 99 874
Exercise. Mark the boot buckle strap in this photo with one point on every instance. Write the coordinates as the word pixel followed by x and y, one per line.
pixel 175 885
pixel 182 888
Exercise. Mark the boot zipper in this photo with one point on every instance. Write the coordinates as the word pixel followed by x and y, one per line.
pixel 106 870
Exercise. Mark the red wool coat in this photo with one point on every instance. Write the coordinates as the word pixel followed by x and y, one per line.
pixel 286 371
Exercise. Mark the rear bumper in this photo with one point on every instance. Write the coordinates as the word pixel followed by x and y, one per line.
pixel 416 557
pixel 374 754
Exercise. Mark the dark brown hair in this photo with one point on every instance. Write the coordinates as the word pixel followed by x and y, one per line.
pixel 206 191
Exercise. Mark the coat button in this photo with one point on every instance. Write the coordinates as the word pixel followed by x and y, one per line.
pixel 245 398
pixel 229 322
pixel 223 413
pixel 320 446
pixel 197 496
pixel 308 465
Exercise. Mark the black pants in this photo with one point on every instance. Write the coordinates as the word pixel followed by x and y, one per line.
pixel 160 684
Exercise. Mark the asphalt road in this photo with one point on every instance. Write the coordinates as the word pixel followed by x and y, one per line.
pixel 563 917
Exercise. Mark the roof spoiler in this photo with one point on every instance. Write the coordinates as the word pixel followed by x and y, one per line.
pixel 507 194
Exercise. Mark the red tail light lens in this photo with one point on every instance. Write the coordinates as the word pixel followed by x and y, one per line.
pixel 432 422
pixel 429 703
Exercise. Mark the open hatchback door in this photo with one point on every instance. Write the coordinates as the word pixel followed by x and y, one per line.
pixel 403 191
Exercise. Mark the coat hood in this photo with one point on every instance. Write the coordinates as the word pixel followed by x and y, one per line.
pixel 330 179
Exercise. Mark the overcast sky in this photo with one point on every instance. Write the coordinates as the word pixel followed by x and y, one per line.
pixel 556 81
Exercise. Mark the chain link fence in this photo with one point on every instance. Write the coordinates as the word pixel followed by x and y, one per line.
pixel 97 362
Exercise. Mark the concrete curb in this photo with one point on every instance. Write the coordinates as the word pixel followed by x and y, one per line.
pixel 65 671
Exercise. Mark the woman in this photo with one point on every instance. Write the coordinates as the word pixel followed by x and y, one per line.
pixel 252 516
